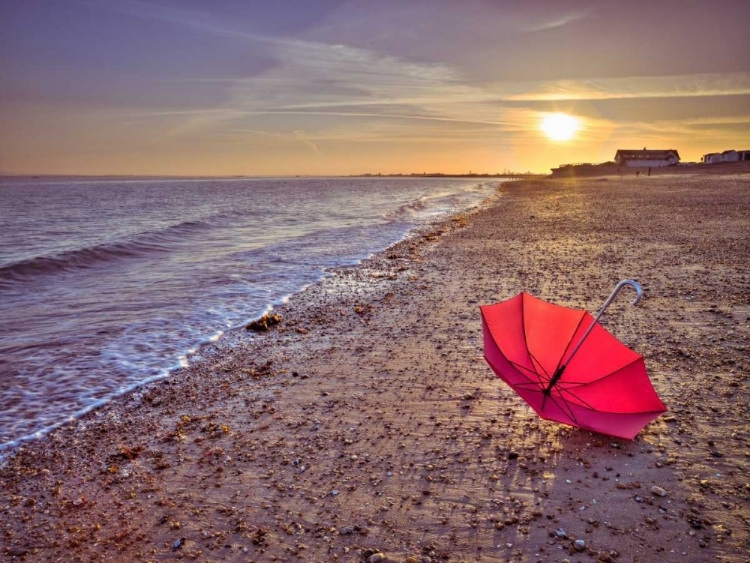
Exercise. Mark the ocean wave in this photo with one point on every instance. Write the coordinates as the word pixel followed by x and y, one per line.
pixel 139 245
pixel 407 210
pixel 234 250
pixel 438 203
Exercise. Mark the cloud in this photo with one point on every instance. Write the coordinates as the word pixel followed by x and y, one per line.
pixel 309 77
pixel 297 137
pixel 692 85
pixel 300 135
pixel 323 80
pixel 560 21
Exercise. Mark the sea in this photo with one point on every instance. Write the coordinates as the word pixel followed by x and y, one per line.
pixel 109 283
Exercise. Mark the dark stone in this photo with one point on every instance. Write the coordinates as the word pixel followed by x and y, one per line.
pixel 265 322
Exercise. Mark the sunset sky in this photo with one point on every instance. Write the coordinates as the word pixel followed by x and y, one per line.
pixel 345 87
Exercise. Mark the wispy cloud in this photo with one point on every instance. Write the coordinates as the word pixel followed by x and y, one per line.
pixel 309 77
pixel 318 79
pixel 305 140
pixel 297 137
pixel 690 126
pixel 561 20
pixel 681 86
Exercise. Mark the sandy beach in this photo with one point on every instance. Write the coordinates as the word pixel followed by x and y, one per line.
pixel 366 426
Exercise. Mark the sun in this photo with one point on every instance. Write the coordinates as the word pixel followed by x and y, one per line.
pixel 560 126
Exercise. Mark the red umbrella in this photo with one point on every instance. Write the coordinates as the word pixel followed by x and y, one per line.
pixel 565 365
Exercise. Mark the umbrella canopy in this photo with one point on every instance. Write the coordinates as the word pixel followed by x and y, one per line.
pixel 567 366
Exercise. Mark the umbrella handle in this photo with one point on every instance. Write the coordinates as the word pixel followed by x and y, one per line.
pixel 618 287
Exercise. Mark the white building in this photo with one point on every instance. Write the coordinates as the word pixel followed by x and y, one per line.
pixel 711 158
pixel 726 156
pixel 644 158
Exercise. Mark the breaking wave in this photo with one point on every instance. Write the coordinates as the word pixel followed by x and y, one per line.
pixel 89 257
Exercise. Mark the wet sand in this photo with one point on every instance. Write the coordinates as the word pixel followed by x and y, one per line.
pixel 366 426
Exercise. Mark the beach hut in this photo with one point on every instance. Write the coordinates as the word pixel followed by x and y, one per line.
pixel 711 158
pixel 647 158
pixel 730 155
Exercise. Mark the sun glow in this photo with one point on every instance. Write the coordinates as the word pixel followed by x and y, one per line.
pixel 560 126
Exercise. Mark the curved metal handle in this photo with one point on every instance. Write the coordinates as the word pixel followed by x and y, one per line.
pixel 618 287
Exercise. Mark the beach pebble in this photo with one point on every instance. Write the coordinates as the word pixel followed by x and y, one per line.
pixel 658 491
pixel 348 530
pixel 579 545
pixel 178 543
pixel 376 558
pixel 560 533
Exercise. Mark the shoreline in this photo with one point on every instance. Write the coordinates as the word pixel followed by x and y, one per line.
pixel 368 420
pixel 193 349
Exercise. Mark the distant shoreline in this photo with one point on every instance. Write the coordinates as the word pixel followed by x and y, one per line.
pixel 562 171
pixel 509 175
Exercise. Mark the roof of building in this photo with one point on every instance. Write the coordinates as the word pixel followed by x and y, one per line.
pixel 646 154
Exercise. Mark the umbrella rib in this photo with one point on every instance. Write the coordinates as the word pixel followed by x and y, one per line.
pixel 572 336
pixel 523 325
pixel 531 386
pixel 539 377
pixel 587 406
pixel 521 366
pixel 577 398
pixel 510 362
pixel 592 409
pixel 610 374
pixel 533 358
pixel 568 411
pixel 621 412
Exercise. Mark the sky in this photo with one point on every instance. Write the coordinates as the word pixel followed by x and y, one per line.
pixel 339 87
